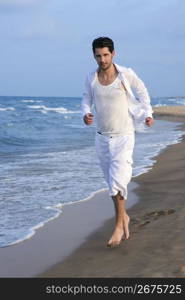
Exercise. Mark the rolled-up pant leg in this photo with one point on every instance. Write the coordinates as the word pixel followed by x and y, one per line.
pixel 102 150
pixel 115 155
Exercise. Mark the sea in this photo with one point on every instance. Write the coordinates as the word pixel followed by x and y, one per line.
pixel 48 159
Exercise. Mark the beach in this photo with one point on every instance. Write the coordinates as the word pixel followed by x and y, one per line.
pixel 74 244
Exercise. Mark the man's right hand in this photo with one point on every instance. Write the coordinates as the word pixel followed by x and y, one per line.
pixel 88 119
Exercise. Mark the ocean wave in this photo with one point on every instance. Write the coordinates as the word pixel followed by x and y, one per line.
pixel 158 105
pixel 13 141
pixel 31 231
pixel 46 176
pixel 60 110
pixel 6 108
pixel 172 99
pixel 170 102
pixel 31 101
pixel 180 101
pixel 74 126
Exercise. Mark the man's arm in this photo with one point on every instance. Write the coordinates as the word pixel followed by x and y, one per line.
pixel 86 104
pixel 137 84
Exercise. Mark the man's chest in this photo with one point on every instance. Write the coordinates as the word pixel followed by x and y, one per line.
pixel 108 92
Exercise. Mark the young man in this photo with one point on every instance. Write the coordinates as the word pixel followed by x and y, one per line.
pixel 109 90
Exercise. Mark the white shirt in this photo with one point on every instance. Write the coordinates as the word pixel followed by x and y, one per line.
pixel 140 107
pixel 111 107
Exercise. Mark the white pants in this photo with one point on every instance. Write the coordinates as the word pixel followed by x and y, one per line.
pixel 115 156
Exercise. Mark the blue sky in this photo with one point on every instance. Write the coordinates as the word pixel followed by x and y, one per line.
pixel 46 44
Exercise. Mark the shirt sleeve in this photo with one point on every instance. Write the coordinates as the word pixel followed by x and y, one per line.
pixel 86 104
pixel 137 84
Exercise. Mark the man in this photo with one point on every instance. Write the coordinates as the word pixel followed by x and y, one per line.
pixel 108 90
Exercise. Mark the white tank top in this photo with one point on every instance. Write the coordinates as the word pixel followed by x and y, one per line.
pixel 111 107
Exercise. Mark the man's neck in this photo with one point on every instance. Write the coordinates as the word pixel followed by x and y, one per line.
pixel 111 71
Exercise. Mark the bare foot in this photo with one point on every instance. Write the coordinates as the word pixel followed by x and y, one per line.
pixel 116 237
pixel 120 233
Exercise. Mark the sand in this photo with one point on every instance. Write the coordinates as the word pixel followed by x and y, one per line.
pixel 156 246
pixel 174 111
pixel 74 244
pixel 59 237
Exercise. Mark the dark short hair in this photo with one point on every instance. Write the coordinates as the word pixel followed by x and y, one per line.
pixel 102 42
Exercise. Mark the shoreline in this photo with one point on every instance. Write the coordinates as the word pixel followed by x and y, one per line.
pixel 59 237
pixel 46 254
pixel 157 244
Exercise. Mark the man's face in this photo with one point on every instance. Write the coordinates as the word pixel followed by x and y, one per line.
pixel 103 57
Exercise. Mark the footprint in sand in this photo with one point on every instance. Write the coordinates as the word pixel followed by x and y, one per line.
pixel 148 217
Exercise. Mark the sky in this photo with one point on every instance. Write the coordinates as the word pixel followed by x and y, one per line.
pixel 45 45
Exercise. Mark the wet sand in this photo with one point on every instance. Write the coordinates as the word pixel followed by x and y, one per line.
pixel 58 238
pixel 74 244
pixel 156 245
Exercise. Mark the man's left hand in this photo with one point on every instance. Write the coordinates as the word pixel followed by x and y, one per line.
pixel 149 121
